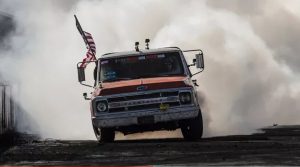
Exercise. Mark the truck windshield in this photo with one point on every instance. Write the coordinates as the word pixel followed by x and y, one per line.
pixel 145 66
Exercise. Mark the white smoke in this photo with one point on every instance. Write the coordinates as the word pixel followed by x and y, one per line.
pixel 251 57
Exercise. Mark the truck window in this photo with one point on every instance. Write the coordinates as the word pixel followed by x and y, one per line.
pixel 143 66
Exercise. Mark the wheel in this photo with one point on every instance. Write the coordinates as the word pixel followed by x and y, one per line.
pixel 104 134
pixel 192 129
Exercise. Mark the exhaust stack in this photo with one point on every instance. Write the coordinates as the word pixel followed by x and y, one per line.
pixel 147 43
pixel 137 46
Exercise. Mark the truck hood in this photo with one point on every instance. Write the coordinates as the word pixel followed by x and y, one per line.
pixel 142 84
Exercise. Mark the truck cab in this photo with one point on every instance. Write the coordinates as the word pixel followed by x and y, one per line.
pixel 145 90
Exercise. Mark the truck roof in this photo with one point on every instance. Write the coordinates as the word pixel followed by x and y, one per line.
pixel 141 52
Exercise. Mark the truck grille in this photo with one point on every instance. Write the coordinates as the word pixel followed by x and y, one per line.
pixel 143 96
pixel 143 101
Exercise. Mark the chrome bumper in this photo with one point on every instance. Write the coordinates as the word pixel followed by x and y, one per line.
pixel 128 118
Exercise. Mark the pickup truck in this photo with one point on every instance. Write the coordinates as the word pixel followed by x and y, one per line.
pixel 145 90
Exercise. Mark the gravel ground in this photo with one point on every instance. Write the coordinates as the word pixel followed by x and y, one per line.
pixel 278 145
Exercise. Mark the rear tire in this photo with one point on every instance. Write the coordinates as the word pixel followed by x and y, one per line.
pixel 192 129
pixel 104 134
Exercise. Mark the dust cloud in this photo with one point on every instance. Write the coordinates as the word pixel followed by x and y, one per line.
pixel 251 51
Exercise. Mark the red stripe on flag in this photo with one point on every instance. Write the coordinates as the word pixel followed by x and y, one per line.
pixel 91 46
pixel 89 57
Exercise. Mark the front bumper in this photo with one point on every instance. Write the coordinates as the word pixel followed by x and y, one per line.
pixel 128 118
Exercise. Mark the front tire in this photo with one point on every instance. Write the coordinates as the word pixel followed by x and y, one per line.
pixel 192 129
pixel 104 134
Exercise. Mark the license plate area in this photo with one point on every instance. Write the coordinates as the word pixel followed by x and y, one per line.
pixel 145 120
pixel 164 107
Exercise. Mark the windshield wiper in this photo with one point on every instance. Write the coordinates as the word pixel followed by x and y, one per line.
pixel 116 79
pixel 153 75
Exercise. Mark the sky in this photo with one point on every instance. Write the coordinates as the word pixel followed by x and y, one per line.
pixel 251 77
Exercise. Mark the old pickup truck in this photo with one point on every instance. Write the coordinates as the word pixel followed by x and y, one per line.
pixel 145 90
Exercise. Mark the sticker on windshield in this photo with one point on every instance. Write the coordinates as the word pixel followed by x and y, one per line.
pixel 161 56
pixel 142 58
pixel 110 75
pixel 104 62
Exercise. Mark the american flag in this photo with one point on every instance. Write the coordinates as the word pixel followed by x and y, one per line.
pixel 90 42
pixel 90 45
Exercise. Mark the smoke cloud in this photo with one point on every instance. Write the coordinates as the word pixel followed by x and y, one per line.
pixel 251 51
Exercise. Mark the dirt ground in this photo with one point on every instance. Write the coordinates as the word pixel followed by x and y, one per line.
pixel 278 145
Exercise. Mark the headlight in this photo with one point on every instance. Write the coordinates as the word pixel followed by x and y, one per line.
pixel 101 106
pixel 185 97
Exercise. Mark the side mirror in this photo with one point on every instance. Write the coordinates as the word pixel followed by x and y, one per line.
pixel 81 74
pixel 199 61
